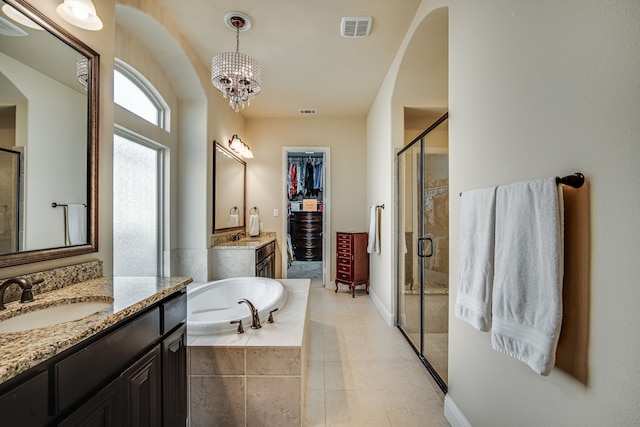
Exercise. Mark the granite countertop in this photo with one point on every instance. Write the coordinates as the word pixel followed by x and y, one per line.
pixel 20 351
pixel 247 242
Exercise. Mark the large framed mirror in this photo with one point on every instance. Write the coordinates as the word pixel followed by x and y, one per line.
pixel 48 139
pixel 229 175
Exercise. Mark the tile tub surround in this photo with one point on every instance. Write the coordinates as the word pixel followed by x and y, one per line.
pixel 56 278
pixel 255 378
pixel 20 351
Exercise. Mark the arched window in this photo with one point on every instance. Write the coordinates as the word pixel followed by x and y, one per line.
pixel 132 91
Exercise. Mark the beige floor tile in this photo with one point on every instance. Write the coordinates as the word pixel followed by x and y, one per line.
pixel 362 371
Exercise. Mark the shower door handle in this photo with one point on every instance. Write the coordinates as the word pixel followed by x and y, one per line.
pixel 421 246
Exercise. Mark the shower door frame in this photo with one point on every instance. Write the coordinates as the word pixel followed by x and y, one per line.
pixel 17 209
pixel 421 232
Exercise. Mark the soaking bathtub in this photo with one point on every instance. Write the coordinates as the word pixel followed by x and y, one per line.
pixel 213 305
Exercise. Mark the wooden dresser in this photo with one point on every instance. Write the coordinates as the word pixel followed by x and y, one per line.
pixel 352 260
pixel 306 236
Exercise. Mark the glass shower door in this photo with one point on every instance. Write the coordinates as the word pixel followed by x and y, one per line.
pixel 9 201
pixel 423 247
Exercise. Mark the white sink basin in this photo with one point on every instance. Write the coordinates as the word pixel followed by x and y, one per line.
pixel 51 316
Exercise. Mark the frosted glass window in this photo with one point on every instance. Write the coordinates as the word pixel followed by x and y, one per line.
pixel 136 219
pixel 129 95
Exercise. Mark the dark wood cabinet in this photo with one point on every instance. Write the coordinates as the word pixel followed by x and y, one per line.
pixel 102 410
pixel 352 261
pixel 306 235
pixel 174 378
pixel 141 392
pixel 134 374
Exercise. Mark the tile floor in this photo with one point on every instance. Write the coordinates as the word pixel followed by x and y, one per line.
pixel 361 371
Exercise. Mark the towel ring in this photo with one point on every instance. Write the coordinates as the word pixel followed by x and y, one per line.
pixel 234 210
pixel 254 210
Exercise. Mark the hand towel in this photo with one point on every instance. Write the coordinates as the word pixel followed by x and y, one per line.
pixel 527 284
pixel 374 231
pixel 254 225
pixel 233 220
pixel 75 224
pixel 475 278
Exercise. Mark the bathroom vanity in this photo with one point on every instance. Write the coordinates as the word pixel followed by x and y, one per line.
pixel 123 365
pixel 246 257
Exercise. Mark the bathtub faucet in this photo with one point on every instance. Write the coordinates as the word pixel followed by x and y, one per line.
pixel 255 319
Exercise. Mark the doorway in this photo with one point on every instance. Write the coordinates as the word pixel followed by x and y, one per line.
pixel 307 206
pixel 423 247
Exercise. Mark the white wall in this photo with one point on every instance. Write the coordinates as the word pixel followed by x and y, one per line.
pixel 266 188
pixel 416 78
pixel 548 88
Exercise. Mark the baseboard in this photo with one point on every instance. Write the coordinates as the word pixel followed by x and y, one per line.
pixel 388 317
pixel 453 414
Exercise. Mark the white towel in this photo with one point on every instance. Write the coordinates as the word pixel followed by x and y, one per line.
pixel 254 225
pixel 527 285
pixel 75 224
pixel 475 278
pixel 233 220
pixel 374 237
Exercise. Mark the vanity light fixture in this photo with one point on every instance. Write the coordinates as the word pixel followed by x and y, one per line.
pixel 20 18
pixel 81 13
pixel 237 76
pixel 240 148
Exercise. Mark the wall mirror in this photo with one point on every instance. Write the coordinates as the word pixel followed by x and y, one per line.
pixel 48 139
pixel 229 177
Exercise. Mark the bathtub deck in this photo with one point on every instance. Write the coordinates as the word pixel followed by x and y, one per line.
pixel 244 379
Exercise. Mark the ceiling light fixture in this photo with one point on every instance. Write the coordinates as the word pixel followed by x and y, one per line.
pixel 237 76
pixel 240 148
pixel 81 13
pixel 20 18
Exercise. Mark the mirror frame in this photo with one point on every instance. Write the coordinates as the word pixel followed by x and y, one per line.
pixel 216 146
pixel 27 257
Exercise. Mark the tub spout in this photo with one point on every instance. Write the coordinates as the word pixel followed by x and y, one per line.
pixel 255 319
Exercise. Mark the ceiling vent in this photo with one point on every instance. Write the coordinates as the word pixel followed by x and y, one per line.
pixel 308 111
pixel 355 26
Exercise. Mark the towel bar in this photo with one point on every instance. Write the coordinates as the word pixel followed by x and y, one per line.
pixel 575 180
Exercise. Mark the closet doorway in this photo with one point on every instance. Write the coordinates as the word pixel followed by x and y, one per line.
pixel 306 223
pixel 423 247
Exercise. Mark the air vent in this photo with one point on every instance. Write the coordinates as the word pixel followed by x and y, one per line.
pixel 308 111
pixel 355 26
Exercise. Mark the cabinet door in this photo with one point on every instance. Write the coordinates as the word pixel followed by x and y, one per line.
pixel 102 410
pixel 174 375
pixel 26 404
pixel 141 394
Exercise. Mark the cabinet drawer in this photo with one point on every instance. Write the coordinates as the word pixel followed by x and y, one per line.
pixel 174 312
pixel 309 226
pixel 85 370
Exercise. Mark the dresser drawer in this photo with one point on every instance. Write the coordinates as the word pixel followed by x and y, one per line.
pixel 309 216
pixel 344 276
pixel 344 268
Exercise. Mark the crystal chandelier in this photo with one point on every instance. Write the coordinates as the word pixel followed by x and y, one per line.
pixel 82 70
pixel 237 76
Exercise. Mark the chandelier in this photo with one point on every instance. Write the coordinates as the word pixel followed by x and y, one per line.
pixel 237 76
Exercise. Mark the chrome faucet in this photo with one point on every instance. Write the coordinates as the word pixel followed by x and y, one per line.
pixel 27 293
pixel 255 319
